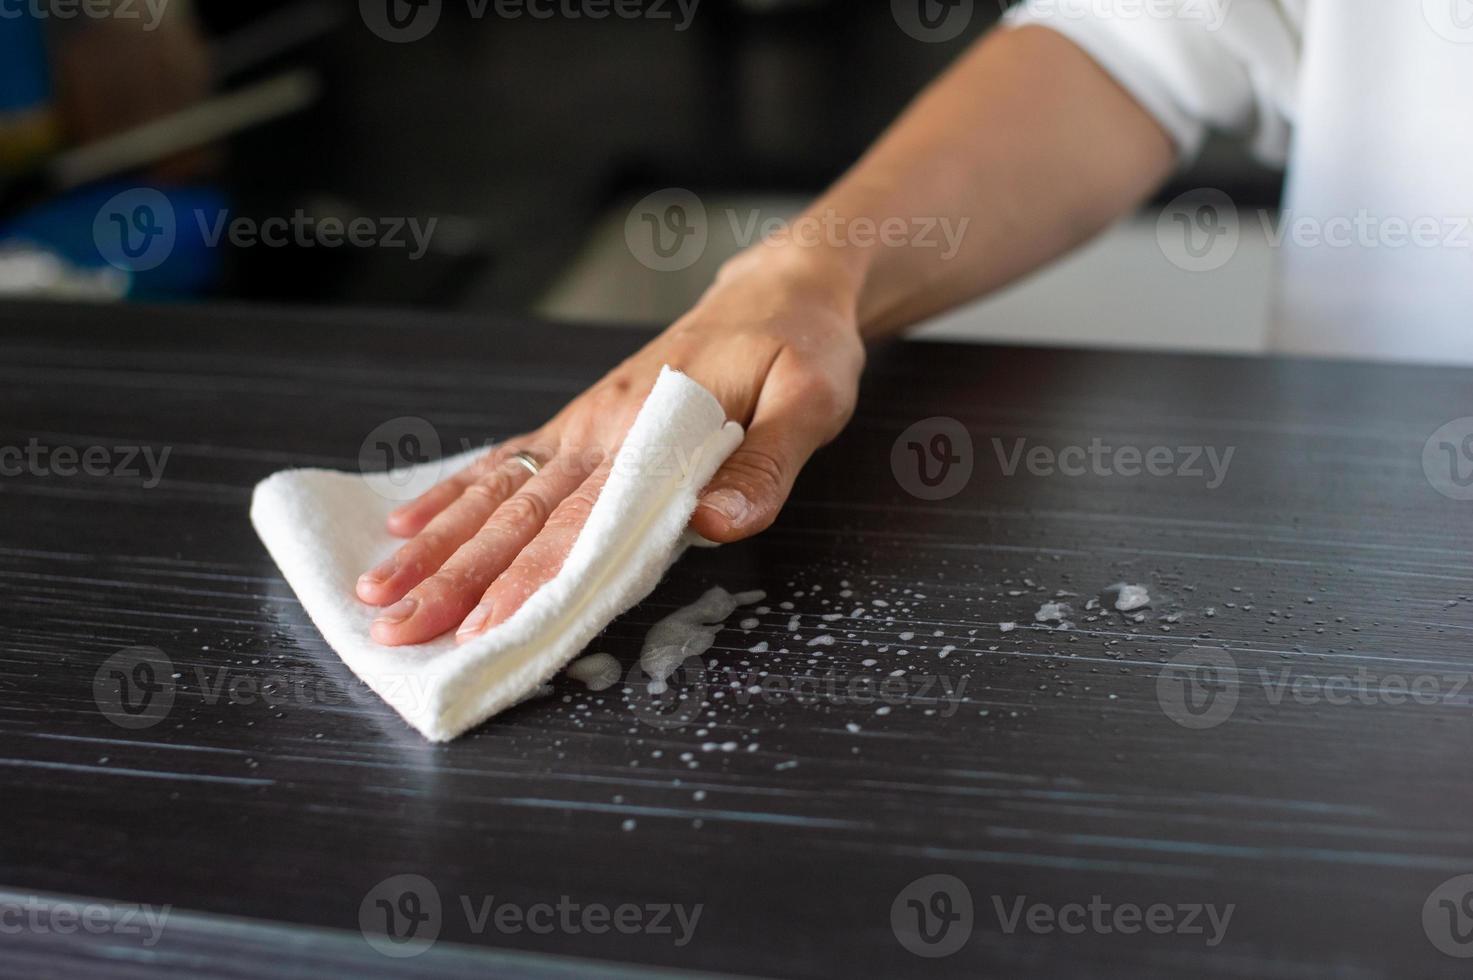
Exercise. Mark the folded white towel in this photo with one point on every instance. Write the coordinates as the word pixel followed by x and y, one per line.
pixel 323 528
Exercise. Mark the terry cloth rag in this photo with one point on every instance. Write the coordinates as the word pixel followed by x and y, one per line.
pixel 323 528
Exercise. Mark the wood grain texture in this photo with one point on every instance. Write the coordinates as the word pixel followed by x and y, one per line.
pixel 1055 773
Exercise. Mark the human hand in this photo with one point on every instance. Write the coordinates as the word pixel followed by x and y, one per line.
pixel 780 351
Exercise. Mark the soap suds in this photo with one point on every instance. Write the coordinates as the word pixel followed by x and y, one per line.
pixel 598 672
pixel 1053 612
pixel 1129 598
pixel 688 632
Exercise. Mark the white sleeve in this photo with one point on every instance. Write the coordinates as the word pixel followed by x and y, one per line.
pixel 1196 65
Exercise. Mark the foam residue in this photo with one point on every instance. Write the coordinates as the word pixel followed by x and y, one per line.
pixel 1053 612
pixel 688 632
pixel 1129 598
pixel 598 671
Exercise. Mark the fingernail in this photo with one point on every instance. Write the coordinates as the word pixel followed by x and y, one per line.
pixel 380 574
pixel 398 612
pixel 475 622
pixel 730 504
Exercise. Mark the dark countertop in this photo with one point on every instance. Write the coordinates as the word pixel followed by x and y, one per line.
pixel 1040 765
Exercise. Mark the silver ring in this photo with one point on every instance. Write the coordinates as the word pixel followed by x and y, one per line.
pixel 529 461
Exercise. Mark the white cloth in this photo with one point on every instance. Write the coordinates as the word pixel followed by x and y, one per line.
pixel 1366 100
pixel 324 528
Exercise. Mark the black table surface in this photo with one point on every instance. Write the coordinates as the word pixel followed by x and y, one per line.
pixel 1047 771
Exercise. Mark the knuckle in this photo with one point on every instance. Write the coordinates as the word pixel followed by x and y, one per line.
pixel 574 511
pixel 479 493
pixel 491 488
pixel 522 509
pixel 757 470
pixel 826 396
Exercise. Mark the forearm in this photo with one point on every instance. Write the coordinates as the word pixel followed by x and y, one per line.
pixel 1022 150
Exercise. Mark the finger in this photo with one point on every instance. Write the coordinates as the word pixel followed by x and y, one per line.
pixel 796 413
pixel 441 602
pixel 411 518
pixel 446 531
pixel 539 561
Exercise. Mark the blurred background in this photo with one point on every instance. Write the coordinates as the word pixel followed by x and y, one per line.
pixel 508 155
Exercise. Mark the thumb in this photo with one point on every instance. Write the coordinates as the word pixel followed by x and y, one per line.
pixel 745 495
